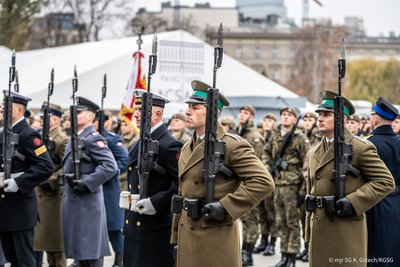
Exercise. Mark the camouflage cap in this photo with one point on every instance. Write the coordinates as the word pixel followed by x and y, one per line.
pixel 270 116
pixel 179 116
pixel 310 115
pixel 249 108
pixel 290 110
pixel 200 94
pixel 328 103
pixel 259 124
pixel 67 113
pixel 228 120
pixel 354 117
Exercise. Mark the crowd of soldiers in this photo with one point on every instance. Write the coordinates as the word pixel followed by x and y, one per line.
pixel 78 220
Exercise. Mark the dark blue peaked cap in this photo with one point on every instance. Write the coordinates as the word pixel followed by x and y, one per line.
pixel 85 104
pixel 385 109
pixel 106 117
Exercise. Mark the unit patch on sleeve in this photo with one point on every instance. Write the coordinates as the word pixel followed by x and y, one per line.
pixel 100 144
pixel 37 142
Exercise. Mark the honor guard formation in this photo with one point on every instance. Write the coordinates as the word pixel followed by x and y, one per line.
pixel 197 189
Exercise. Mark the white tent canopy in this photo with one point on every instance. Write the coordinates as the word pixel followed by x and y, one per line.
pixel 182 58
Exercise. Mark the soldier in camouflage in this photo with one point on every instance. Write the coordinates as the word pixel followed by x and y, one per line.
pixel 178 128
pixel 289 192
pixel 228 122
pixel 364 125
pixel 266 207
pixel 250 220
pixel 353 124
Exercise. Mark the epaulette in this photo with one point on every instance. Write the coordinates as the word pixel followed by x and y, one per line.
pixel 234 136
pixel 362 140
pixel 366 138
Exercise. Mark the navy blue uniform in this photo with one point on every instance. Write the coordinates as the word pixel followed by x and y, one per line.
pixel 112 190
pixel 83 213
pixel 147 237
pixel 383 220
pixel 19 211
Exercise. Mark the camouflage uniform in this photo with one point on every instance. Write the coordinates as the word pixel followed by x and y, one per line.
pixel 287 188
pixel 181 136
pixel 128 141
pixel 251 219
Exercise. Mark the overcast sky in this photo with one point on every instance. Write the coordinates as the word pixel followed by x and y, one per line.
pixel 380 17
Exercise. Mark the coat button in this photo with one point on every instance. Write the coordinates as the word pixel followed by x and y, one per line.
pixel 138 186
pixel 316 217
pixel 126 221
pixel 2 165
pixel 138 223
pixel 181 224
pixel 182 179
pixel 318 177
pixel 332 179
pixel 3 196
pixel 196 182
pixel 39 194
pixel 130 168
pixel 192 227
pixel 130 186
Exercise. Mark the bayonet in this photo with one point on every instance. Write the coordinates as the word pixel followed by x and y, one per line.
pixel 101 111
pixel 220 36
pixel 218 53
pixel 16 85
pixel 154 47
pixel 342 48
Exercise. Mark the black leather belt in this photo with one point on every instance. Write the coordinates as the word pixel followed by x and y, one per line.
pixel 191 205
pixel 313 202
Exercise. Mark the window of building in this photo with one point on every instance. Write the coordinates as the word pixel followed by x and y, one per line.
pixel 275 52
pixel 257 52
pixel 293 74
pixel 258 70
pixel 292 52
pixel 275 74
pixel 239 51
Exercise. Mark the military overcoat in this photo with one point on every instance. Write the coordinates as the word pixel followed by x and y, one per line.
pixel 48 233
pixel 19 210
pixel 2 257
pixel 84 215
pixel 111 188
pixel 334 241
pixel 384 218
pixel 146 242
pixel 216 243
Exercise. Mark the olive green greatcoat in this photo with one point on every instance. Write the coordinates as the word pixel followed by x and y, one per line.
pixel 344 238
pixel 216 243
pixel 48 233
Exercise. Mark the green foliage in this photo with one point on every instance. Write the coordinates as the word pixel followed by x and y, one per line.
pixel 15 21
pixel 369 79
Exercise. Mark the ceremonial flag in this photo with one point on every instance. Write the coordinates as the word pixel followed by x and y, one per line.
pixel 137 80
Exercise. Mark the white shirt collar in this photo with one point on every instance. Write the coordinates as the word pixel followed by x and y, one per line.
pixel 20 119
pixel 156 127
pixel 333 139
pixel 202 137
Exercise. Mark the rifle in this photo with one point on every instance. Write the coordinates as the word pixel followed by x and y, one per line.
pixel 360 131
pixel 309 132
pixel 50 144
pixel 16 85
pixel 101 111
pixel 148 148
pixel 278 163
pixel 214 149
pixel 343 150
pixel 10 139
pixel 77 144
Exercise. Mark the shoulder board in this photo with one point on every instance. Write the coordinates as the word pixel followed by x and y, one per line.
pixel 362 140
pixel 111 133
pixel 234 136
pixel 366 138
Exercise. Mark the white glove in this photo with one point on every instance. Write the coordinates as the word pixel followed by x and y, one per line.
pixel 145 206
pixel 10 186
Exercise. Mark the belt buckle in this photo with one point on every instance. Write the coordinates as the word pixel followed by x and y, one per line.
pixel 318 202
pixel 184 204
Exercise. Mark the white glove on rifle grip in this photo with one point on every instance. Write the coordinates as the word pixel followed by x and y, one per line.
pixel 145 206
pixel 10 186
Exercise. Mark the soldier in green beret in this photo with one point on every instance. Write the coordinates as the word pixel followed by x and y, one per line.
pixel 341 234
pixel 178 127
pixel 290 188
pixel 215 242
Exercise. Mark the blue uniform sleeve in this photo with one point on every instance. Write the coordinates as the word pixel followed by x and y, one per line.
pixel 119 151
pixel 101 155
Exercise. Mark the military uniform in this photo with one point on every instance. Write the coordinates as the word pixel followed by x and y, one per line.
pixel 2 257
pixel 128 141
pixel 146 242
pixel 19 209
pixel 383 218
pixel 334 238
pixel 81 208
pixel 289 187
pixel 204 242
pixel 111 192
pixel 182 136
